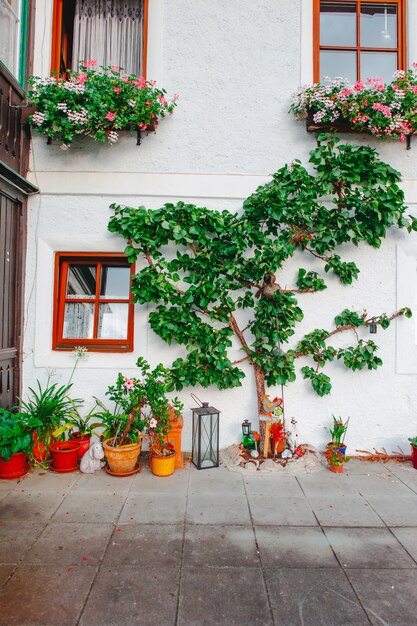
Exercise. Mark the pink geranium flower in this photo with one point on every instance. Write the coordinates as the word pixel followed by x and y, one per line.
pixel 110 115
pixel 117 90
pixel 129 384
pixel 153 422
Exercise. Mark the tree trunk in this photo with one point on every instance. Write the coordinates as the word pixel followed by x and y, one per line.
pixel 260 387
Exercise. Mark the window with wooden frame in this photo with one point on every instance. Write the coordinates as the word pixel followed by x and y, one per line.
pixel 112 32
pixel 358 40
pixel 93 302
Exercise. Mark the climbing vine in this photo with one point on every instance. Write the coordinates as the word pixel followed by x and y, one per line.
pixel 206 271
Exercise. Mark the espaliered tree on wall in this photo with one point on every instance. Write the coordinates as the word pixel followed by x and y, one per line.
pixel 207 270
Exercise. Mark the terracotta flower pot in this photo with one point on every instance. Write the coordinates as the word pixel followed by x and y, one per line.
pixel 122 459
pixel 336 469
pixel 163 465
pixel 15 467
pixel 83 441
pixel 414 456
pixel 65 455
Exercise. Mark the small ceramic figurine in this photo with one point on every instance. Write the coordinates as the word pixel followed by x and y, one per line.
pixel 292 435
pixel 92 459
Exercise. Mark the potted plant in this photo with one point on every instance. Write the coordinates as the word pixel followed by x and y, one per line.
pixel 84 427
pixel 15 443
pixel 338 433
pixel 64 456
pixel 335 459
pixel 141 406
pixel 413 442
pixel 96 103
pixel 50 406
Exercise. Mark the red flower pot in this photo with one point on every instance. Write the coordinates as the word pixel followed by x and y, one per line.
pixel 83 441
pixel 414 456
pixel 336 469
pixel 15 467
pixel 65 455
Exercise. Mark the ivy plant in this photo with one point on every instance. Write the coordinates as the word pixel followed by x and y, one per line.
pixel 214 276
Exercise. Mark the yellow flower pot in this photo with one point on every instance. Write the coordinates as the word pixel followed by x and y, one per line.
pixel 163 465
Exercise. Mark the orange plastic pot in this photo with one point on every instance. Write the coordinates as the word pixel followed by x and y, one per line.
pixel 336 469
pixel 65 455
pixel 15 467
pixel 163 465
pixel 122 459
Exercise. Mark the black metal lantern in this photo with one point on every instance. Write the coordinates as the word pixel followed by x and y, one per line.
pixel 205 450
pixel 246 428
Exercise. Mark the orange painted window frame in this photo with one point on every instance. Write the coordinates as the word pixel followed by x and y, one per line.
pixel 401 35
pixel 62 261
pixel 57 35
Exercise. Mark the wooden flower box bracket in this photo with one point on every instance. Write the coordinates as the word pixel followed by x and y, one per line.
pixel 341 125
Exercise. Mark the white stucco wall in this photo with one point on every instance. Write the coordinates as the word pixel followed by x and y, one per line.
pixel 235 69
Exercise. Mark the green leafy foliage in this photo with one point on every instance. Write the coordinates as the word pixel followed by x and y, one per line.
pixel 16 433
pixel 213 277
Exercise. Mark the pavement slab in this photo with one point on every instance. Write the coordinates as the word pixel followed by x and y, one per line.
pixel 5 572
pixel 241 590
pixel 219 508
pixel 294 547
pixel 154 508
pixel 313 597
pixel 220 546
pixel 396 510
pixel 128 596
pixel 90 508
pixel 368 548
pixel 101 482
pixel 211 481
pixel 146 482
pixel 28 506
pixel 379 485
pixel 45 595
pixel 277 511
pixel 388 596
pixel 272 485
pixel 408 538
pixel 70 544
pixel 339 510
pixel 326 482
pixel 15 541
pixel 143 545
pixel 356 466
pixel 41 481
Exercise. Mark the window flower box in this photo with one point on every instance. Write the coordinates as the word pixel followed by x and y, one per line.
pixel 382 110
pixel 96 103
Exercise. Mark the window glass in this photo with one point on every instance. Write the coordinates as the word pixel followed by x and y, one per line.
pixel 115 281
pixel 10 29
pixel 378 25
pixel 379 64
pixel 338 63
pixel 81 281
pixel 338 23
pixel 112 321
pixel 78 320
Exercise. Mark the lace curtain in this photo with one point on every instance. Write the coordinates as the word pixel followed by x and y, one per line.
pixel 109 31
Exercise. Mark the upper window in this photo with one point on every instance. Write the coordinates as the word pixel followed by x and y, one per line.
pixel 13 36
pixel 358 40
pixel 93 302
pixel 112 32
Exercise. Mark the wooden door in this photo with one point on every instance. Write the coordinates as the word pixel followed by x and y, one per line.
pixel 11 294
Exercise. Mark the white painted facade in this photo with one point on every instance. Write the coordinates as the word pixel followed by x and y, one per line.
pixel 234 64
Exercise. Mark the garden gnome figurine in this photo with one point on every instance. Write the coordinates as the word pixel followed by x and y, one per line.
pixel 292 435
pixel 92 459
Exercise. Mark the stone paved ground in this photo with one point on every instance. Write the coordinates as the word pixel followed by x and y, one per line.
pixel 210 547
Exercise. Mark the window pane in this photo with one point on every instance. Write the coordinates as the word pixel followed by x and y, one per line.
pixel 337 24
pixel 115 281
pixel 10 14
pixel 379 25
pixel 82 281
pixel 112 321
pixel 78 320
pixel 378 64
pixel 338 64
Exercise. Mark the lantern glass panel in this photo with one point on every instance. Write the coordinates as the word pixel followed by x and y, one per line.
pixel 205 446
